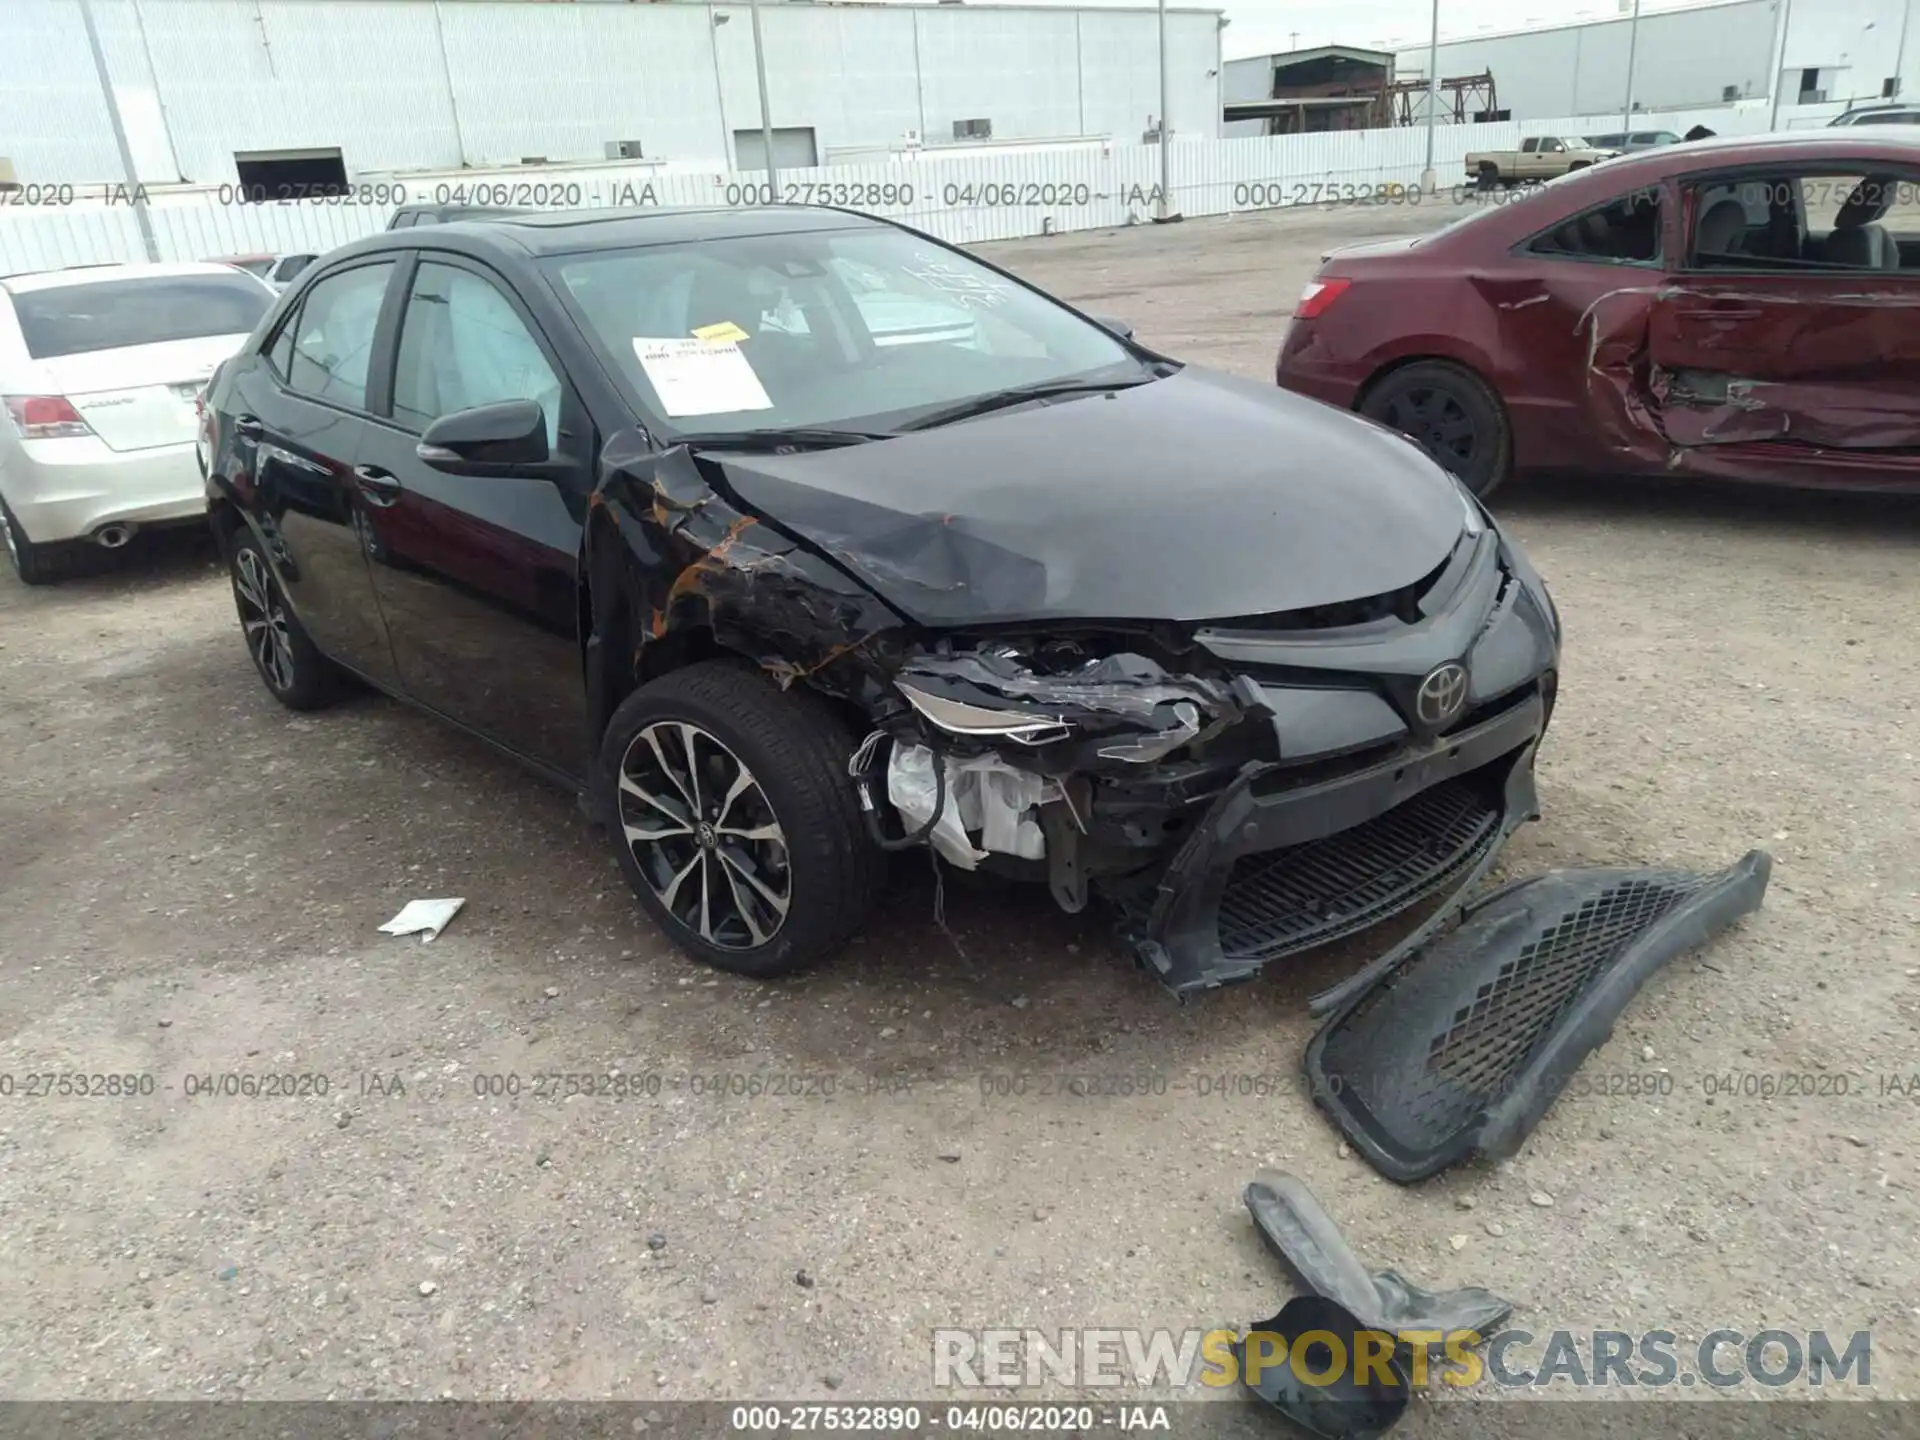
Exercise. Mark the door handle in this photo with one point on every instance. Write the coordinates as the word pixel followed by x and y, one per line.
pixel 248 427
pixel 379 486
pixel 1720 312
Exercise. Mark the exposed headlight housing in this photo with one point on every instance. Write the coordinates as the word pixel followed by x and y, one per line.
pixel 959 718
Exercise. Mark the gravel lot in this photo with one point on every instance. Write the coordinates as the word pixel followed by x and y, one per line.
pixel 192 878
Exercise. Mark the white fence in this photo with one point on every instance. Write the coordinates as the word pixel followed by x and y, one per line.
pixel 959 198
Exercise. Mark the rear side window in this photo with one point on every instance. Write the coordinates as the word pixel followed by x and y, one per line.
pixel 113 314
pixel 1623 231
pixel 333 335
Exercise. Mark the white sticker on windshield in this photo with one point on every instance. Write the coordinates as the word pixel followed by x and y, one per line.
pixel 698 377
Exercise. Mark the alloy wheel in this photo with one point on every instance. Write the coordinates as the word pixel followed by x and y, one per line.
pixel 704 835
pixel 264 619
pixel 1436 421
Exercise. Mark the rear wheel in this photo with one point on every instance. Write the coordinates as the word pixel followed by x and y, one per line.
pixel 34 564
pixel 295 671
pixel 1449 412
pixel 735 821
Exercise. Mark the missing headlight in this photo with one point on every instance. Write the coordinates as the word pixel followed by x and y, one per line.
pixel 957 717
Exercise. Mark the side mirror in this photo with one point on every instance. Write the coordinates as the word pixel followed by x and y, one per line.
pixel 486 438
pixel 1118 327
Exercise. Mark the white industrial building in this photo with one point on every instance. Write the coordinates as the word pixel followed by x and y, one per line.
pixel 1703 55
pixel 212 91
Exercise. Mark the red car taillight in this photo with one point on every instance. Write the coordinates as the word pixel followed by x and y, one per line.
pixel 45 417
pixel 1318 295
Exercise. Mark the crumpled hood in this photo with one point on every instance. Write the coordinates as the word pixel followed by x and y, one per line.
pixel 1196 497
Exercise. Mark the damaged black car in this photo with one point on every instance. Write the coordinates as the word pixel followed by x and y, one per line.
pixel 789 537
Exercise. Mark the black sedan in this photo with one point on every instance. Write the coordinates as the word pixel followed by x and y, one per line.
pixel 790 536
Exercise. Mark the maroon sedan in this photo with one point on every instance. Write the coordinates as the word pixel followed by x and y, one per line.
pixel 1736 309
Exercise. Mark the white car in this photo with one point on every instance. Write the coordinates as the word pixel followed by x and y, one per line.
pixel 101 367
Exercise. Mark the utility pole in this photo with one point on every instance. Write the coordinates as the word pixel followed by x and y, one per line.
pixel 766 113
pixel 1780 61
pixel 1164 210
pixel 120 135
pixel 1633 51
pixel 1900 55
pixel 1429 181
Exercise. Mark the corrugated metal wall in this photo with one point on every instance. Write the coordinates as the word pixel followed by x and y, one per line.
pixel 1684 58
pixel 416 83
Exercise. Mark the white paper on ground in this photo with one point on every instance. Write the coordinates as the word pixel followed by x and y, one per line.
pixel 428 917
pixel 699 377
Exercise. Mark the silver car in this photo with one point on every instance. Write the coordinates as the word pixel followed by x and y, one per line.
pixel 100 375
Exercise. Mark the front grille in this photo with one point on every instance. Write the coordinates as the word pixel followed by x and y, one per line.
pixel 1281 901
pixel 1428 1052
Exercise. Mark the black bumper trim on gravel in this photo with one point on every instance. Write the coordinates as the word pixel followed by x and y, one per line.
pixel 1465 1045
pixel 1270 873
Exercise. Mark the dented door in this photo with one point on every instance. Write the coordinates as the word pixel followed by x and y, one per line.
pixel 1798 365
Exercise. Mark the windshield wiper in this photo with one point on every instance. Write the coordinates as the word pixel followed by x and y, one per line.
pixel 1019 395
pixel 797 437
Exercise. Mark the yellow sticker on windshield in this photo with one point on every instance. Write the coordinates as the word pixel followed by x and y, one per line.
pixel 725 333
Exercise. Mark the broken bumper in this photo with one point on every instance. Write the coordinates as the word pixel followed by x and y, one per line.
pixel 1270 872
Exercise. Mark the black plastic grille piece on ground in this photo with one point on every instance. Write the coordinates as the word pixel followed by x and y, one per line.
pixel 1464 1045
pixel 1281 901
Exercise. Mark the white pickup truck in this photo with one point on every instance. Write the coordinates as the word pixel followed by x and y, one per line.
pixel 1540 157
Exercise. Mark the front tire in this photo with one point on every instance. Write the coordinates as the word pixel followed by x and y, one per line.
pixel 291 666
pixel 735 821
pixel 1449 412
pixel 34 564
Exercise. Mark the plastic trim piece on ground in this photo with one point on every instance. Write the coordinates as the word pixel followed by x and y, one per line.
pixel 1336 1409
pixel 1466 1043
pixel 1344 1397
pixel 1301 1233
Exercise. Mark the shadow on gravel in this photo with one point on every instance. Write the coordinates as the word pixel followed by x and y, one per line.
pixel 154 560
pixel 1842 514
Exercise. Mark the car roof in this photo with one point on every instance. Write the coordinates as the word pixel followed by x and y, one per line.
pixel 1498 227
pixel 101 274
pixel 1781 147
pixel 572 232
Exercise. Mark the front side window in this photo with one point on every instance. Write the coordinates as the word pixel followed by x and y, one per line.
pixel 463 345
pixel 114 314
pixel 333 335
pixel 823 327
pixel 1798 220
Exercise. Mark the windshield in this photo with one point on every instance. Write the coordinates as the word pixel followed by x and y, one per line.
pixel 823 328
pixel 1574 142
pixel 112 314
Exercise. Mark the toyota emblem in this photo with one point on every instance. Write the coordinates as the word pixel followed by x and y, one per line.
pixel 1441 695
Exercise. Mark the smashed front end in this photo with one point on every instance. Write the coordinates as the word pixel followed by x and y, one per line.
pixel 1241 790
